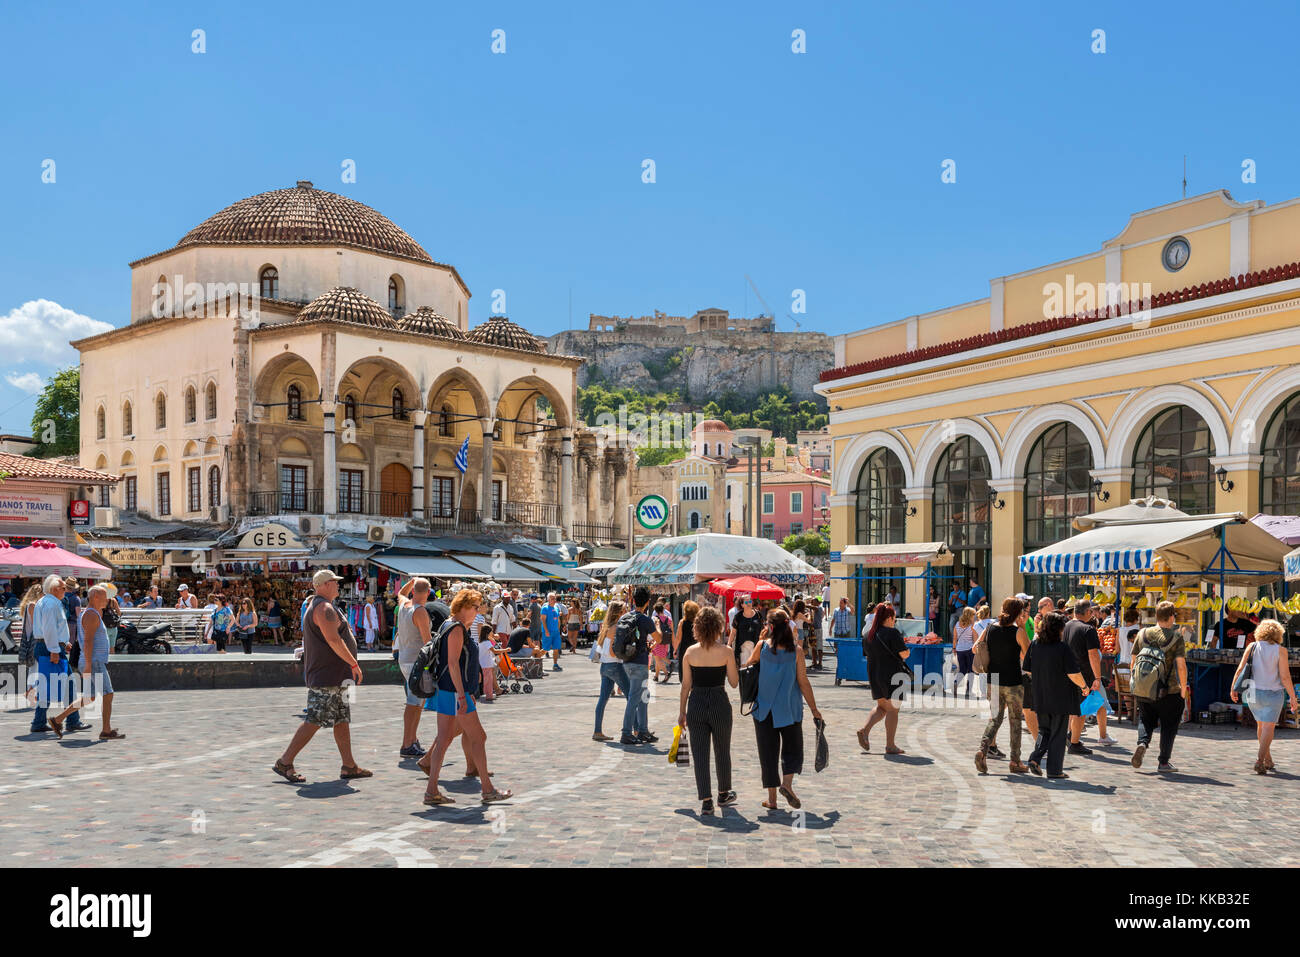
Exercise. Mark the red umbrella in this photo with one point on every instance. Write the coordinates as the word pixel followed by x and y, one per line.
pixel 756 588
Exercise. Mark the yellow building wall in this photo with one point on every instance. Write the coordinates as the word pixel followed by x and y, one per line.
pixel 1210 260
pixel 1026 300
pixel 953 324
pixel 887 340
pixel 1273 237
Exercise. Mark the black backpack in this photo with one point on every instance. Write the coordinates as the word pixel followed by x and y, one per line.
pixel 624 645
pixel 429 667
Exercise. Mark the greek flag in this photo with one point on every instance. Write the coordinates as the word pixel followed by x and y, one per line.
pixel 462 457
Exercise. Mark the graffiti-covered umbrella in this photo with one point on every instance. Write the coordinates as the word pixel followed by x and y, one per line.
pixel 692 559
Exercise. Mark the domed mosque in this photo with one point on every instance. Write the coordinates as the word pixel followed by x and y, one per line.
pixel 298 353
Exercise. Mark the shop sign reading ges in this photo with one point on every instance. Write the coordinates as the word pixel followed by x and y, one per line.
pixel 270 538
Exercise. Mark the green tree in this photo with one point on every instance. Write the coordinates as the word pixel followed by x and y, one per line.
pixel 56 423
pixel 810 543
pixel 662 455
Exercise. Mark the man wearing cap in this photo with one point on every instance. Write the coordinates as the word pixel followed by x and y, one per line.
pixel 502 619
pixel 329 667
pixel 184 599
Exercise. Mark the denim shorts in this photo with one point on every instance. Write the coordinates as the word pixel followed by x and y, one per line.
pixel 444 702
pixel 98 681
pixel 1266 706
pixel 411 700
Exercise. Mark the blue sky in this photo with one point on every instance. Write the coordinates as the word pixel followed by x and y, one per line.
pixel 818 171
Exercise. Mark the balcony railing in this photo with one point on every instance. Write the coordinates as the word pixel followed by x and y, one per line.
pixel 455 520
pixel 530 513
pixel 285 501
pixel 596 532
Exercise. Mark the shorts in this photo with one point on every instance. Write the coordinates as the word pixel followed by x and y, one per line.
pixel 661 651
pixel 411 700
pixel 444 702
pixel 273 623
pixel 1266 706
pixel 98 682
pixel 551 643
pixel 327 707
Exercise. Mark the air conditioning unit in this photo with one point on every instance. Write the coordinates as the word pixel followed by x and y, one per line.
pixel 311 525
pixel 219 513
pixel 552 534
pixel 108 516
pixel 379 535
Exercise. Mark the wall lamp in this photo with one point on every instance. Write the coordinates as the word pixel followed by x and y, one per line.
pixel 1225 483
pixel 1097 493
pixel 995 501
pixel 911 511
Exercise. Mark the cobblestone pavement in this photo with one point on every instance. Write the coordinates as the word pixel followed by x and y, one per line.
pixel 192 785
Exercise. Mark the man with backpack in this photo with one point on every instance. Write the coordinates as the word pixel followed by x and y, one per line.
pixel 1159 684
pixel 631 647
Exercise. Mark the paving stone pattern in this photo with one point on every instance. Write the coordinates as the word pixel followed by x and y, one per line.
pixel 191 785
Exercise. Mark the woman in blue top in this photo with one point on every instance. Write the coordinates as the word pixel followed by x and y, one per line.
pixel 247 624
pixel 778 713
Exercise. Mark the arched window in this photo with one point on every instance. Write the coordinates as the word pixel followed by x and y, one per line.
pixel 295 403
pixel 695 520
pixel 210 400
pixel 1279 473
pixel 191 405
pixel 881 519
pixel 1172 460
pixel 269 279
pixel 160 411
pixel 350 410
pixel 447 422
pixel 399 404
pixel 396 296
pixel 101 427
pixel 496 430
pixel 1058 488
pixel 214 486
pixel 962 518
pixel 128 427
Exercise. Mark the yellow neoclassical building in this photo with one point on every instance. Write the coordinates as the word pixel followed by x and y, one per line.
pixel 1167 362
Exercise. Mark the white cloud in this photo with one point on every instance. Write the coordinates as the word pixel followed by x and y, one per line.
pixel 28 381
pixel 39 330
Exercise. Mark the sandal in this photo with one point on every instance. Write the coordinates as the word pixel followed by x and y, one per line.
pixel 862 740
pixel 347 773
pixel 287 772
pixel 790 797
pixel 894 750
pixel 495 795
pixel 770 807
pixel 474 774
pixel 57 725
pixel 438 799
pixel 113 735
pixel 1261 767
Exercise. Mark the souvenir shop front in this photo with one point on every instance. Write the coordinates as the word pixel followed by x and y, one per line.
pixel 134 569
pixel 267 562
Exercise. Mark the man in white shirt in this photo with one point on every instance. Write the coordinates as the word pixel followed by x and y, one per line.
pixel 50 625
pixel 502 620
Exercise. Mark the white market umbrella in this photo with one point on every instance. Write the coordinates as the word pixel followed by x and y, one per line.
pixel 692 559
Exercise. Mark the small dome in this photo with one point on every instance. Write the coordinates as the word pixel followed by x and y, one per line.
pixel 303 216
pixel 345 304
pixel 427 322
pixel 713 425
pixel 500 331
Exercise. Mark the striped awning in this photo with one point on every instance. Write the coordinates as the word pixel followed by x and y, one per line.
pixel 1079 563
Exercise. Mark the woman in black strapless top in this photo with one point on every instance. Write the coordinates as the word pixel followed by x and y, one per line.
pixel 705 707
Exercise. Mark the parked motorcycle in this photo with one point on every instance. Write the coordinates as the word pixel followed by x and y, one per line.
pixel 143 641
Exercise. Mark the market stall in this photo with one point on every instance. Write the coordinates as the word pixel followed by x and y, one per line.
pixel 1151 552
pixel 927 651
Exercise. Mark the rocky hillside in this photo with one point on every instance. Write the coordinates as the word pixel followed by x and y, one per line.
pixel 701 365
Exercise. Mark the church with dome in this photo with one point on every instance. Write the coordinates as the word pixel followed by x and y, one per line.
pixel 298 353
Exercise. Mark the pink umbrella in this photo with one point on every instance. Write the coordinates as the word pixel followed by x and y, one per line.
pixel 42 558
pixel 7 565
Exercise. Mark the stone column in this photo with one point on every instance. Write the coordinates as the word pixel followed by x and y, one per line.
pixel 619 463
pixel 566 481
pixel 330 480
pixel 485 491
pixel 589 463
pixel 417 465
pixel 1008 530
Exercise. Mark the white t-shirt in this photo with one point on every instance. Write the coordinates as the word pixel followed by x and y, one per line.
pixel 486 658
pixel 501 620
pixel 605 657
pixel 866 623
pixel 826 593
pixel 981 624
pixel 1125 641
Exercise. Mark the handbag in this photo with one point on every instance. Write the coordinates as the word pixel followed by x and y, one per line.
pixel 981 652
pixel 749 688
pixel 823 756
pixel 1244 680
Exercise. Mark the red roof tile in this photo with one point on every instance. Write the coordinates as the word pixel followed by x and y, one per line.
pixel 26 467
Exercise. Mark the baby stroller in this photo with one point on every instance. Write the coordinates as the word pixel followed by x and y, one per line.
pixel 512 676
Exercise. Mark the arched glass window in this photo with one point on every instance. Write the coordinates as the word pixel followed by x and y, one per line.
pixel 191 405
pixel 160 411
pixel 1172 460
pixel 350 409
pixel 1279 473
pixel 211 400
pixel 399 404
pixel 128 427
pixel 214 486
pixel 447 422
pixel 1058 488
pixel 295 403
pixel 269 279
pixel 101 427
pixel 881 519
pixel 962 517
pixel 396 296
